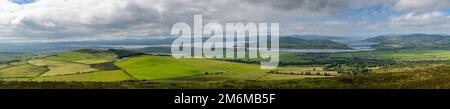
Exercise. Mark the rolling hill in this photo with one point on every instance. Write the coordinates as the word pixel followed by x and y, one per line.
pixel 87 65
pixel 310 43
pixel 315 37
pixel 412 41
pixel 286 42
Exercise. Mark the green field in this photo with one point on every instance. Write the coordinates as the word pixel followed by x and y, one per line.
pixel 415 54
pixel 231 71
pixel 14 57
pixel 61 68
pixel 310 70
pixel 238 71
pixel 169 69
pixel 158 67
pixel 272 77
pixel 304 69
pixel 402 55
pixel 74 66
pixel 22 71
pixel 98 76
pixel 3 66
pixel 382 55
pixel 92 61
pixel 153 68
pixel 84 56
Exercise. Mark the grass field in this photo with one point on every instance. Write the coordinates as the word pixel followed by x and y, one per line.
pixel 296 70
pixel 21 79
pixel 397 55
pixel 415 54
pixel 168 69
pixel 61 68
pixel 238 71
pixel 271 77
pixel 3 66
pixel 159 67
pixel 436 78
pixel 5 57
pixel 84 56
pixel 166 72
pixel 98 76
pixel 24 70
pixel 403 55
pixel 410 67
pixel 92 61
pixel 231 71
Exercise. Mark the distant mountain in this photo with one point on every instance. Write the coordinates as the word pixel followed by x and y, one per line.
pixel 315 37
pixel 310 43
pixel 158 45
pixel 412 41
pixel 149 41
pixel 286 42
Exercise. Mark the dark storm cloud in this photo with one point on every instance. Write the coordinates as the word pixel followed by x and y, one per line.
pixel 330 6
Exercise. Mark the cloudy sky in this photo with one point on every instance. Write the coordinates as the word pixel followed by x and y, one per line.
pixel 118 19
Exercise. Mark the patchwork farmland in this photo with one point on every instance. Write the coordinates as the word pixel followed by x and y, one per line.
pixel 125 69
pixel 105 66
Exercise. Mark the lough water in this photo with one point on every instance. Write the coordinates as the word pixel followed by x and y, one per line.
pixel 356 46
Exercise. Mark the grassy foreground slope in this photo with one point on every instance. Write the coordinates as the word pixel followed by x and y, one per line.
pixel 166 72
pixel 98 76
pixel 430 78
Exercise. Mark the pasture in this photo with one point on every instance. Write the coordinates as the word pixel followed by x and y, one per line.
pixel 231 70
pixel 400 55
pixel 305 70
pixel 22 71
pixel 98 76
pixel 83 65
pixel 61 68
pixel 14 57
pixel 159 67
pixel 84 56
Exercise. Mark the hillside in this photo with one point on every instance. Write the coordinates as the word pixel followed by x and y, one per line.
pixel 87 65
pixel 412 41
pixel 316 37
pixel 124 69
pixel 300 43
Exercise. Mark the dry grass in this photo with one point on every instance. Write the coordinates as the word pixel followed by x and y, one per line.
pixel 61 68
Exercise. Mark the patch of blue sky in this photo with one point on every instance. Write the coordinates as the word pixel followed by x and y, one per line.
pixel 447 11
pixel 22 1
pixel 377 13
pixel 374 14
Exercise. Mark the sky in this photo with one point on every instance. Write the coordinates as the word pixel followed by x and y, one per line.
pixel 30 20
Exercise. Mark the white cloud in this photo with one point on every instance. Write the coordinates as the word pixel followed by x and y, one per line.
pixel 60 18
pixel 403 5
pixel 421 19
pixel 95 19
pixel 132 18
